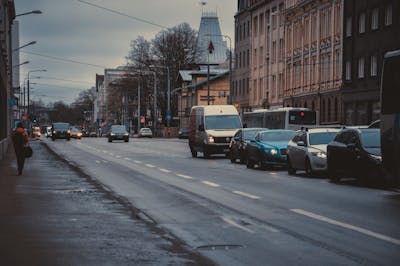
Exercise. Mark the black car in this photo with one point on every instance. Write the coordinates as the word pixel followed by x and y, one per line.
pixel 356 153
pixel 60 131
pixel 183 133
pixel 238 144
pixel 118 132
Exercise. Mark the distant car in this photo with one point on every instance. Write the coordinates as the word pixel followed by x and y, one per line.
pixel 93 134
pixel 76 133
pixel 145 132
pixel 238 144
pixel 183 133
pixel 356 153
pixel 118 132
pixel 48 132
pixel 36 132
pixel 307 150
pixel 269 148
pixel 60 131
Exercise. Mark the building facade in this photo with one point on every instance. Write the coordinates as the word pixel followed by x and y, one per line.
pixel 241 75
pixel 371 28
pixel 314 57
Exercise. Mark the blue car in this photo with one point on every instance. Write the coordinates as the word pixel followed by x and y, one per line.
pixel 269 148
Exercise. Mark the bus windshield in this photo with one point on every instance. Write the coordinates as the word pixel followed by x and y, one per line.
pixel 222 122
pixel 302 117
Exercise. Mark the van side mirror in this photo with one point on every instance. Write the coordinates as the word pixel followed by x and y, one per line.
pixel 201 127
pixel 301 143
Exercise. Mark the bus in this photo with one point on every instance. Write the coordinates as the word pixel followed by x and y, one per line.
pixel 390 116
pixel 292 118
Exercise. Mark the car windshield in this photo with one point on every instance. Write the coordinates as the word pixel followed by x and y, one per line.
pixel 222 122
pixel 61 126
pixel 281 135
pixel 146 130
pixel 371 139
pixel 321 138
pixel 118 129
pixel 74 129
pixel 250 134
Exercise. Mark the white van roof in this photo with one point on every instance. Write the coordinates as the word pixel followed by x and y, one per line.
pixel 217 109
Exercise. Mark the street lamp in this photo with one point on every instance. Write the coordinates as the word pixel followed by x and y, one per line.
pixel 36 70
pixel 230 100
pixel 30 43
pixel 30 12
pixel 24 63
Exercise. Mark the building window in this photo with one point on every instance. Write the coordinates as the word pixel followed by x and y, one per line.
pixel 374 66
pixel 261 23
pixel 255 58
pixel 248 57
pixel 348 70
pixel 273 51
pixel 336 110
pixel 361 67
pixel 375 19
pixel 388 15
pixel 361 23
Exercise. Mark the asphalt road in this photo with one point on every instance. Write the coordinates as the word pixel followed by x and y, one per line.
pixel 240 216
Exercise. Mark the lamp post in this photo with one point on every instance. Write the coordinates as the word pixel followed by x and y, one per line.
pixel 230 99
pixel 24 63
pixel 28 113
pixel 25 45
pixel 30 12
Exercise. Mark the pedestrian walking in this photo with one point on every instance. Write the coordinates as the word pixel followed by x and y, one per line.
pixel 20 141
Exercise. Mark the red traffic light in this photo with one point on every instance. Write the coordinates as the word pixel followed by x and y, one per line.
pixel 302 114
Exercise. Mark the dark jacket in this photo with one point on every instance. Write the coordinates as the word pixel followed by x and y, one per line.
pixel 20 140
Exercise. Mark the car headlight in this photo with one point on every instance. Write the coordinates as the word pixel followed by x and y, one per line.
pixel 273 151
pixel 112 134
pixel 68 131
pixel 54 132
pixel 319 154
pixel 210 139
pixel 377 158
pixel 126 134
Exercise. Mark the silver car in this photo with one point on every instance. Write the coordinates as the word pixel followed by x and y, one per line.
pixel 145 132
pixel 307 150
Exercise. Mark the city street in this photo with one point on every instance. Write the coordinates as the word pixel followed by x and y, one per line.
pixel 239 216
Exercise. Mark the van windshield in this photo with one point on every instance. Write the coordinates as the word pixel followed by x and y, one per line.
pixel 222 122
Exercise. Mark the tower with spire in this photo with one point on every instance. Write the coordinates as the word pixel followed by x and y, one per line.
pixel 210 31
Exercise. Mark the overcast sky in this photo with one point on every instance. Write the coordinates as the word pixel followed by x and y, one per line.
pixel 73 30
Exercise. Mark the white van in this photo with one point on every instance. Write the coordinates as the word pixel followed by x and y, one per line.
pixel 211 128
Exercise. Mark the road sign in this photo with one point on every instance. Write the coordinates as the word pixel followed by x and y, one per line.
pixel 142 119
pixel 168 117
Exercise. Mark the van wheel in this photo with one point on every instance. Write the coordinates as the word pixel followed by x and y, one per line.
pixel 194 153
pixel 249 164
pixel 206 153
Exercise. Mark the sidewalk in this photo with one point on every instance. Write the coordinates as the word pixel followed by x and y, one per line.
pixel 52 215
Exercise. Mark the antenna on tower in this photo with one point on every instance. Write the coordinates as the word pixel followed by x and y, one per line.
pixel 203 3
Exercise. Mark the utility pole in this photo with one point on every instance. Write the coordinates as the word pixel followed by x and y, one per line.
pixel 138 123
pixel 210 51
pixel 155 105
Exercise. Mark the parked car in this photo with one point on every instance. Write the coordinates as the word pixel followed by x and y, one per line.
pixel 93 134
pixel 238 144
pixel 48 132
pixel 269 148
pixel 60 131
pixel 118 132
pixel 307 150
pixel 183 133
pixel 355 152
pixel 76 133
pixel 145 132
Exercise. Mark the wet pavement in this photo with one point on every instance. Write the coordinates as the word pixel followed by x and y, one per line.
pixel 55 215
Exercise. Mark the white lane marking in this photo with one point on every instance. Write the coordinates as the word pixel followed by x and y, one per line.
pixel 118 156
pixel 229 221
pixel 112 154
pixel 149 165
pixel 136 161
pixel 244 194
pixel 184 176
pixel 97 161
pixel 164 170
pixel 211 184
pixel 104 161
pixel 347 226
pixel 128 159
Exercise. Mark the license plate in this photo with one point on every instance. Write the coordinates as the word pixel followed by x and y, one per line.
pixel 226 150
